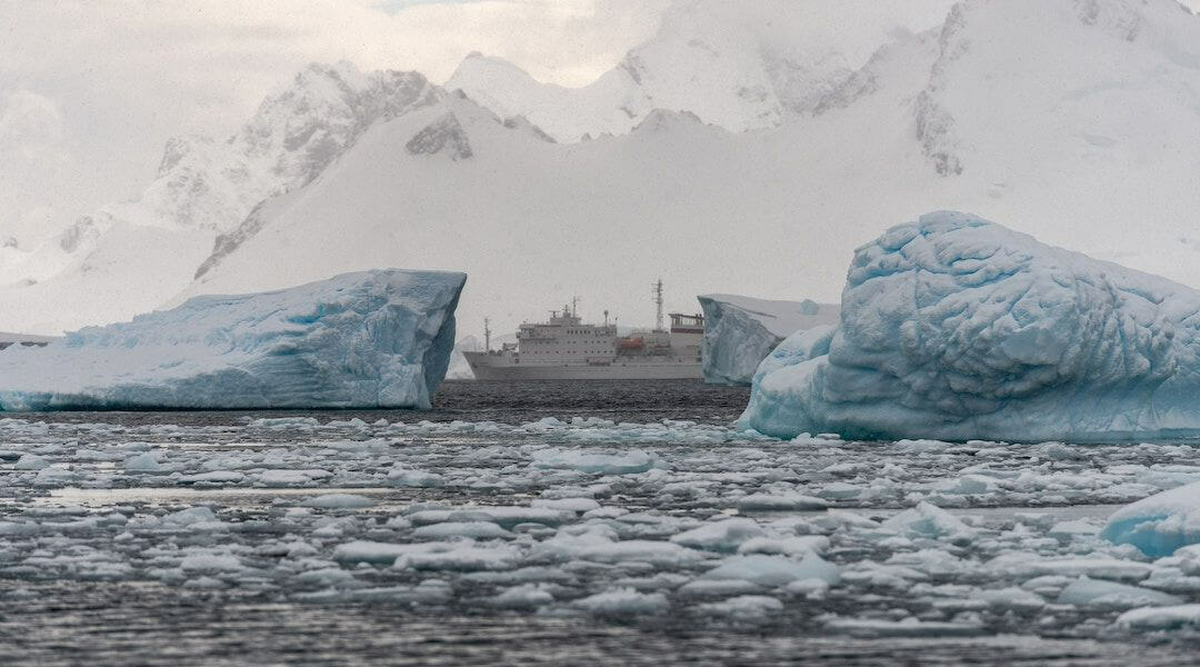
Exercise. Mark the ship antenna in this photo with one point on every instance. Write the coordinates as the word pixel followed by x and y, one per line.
pixel 487 335
pixel 658 302
pixel 605 317
pixel 575 307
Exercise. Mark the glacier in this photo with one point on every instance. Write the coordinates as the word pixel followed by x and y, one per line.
pixel 372 339
pixel 739 331
pixel 956 328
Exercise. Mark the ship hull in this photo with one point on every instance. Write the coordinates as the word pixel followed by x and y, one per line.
pixel 494 367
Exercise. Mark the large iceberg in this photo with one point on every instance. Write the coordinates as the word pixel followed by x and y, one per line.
pixel 374 339
pixel 739 331
pixel 955 328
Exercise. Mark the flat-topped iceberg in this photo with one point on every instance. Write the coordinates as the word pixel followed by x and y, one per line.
pixel 374 339
pixel 956 328
pixel 739 331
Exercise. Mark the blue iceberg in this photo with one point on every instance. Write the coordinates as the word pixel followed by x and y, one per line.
pixel 1160 524
pixel 739 331
pixel 374 339
pixel 956 328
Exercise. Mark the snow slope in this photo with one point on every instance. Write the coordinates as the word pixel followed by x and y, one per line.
pixel 131 256
pixel 740 331
pixel 369 340
pixel 1045 113
pixel 956 328
pixel 765 210
pixel 737 65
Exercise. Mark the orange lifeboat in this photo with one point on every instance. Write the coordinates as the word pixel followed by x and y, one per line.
pixel 632 344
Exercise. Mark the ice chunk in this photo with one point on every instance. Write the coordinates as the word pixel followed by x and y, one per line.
pixel 363 551
pixel 629 462
pixel 1100 567
pixel 401 475
pixel 775 570
pixel 725 535
pixel 794 545
pixel 926 520
pixel 373 339
pixel 462 556
pixel 483 530
pixel 1160 524
pixel 339 501
pixel 740 331
pixel 1161 618
pixel 1099 593
pixel 31 462
pixel 956 328
pixel 145 462
pixel 746 607
pixel 524 596
pixel 623 602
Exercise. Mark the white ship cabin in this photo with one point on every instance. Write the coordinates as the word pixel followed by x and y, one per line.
pixel 565 338
pixel 687 331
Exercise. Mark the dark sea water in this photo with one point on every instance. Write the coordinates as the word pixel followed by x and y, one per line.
pixel 70 613
pixel 500 401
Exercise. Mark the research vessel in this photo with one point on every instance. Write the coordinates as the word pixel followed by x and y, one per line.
pixel 565 348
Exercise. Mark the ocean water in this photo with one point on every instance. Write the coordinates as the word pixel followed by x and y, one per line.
pixel 560 523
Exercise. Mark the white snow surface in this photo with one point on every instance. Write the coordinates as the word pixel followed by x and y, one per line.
pixel 741 66
pixel 1103 94
pixel 373 339
pixel 957 328
pixel 141 251
pixel 740 331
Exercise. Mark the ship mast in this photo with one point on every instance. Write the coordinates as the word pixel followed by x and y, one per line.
pixel 658 302
pixel 487 335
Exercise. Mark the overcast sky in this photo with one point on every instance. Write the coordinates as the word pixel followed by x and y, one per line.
pixel 90 90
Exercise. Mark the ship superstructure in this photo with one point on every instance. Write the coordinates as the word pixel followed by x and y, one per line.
pixel 564 347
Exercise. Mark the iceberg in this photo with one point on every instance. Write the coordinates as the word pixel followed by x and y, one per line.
pixel 1160 524
pixel 956 328
pixel 739 331
pixel 373 339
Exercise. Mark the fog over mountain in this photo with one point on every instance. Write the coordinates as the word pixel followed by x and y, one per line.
pixel 745 156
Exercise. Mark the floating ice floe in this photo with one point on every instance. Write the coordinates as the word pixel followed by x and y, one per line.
pixel 1161 618
pixel 1160 524
pixel 740 331
pixel 956 328
pixel 375 339
pixel 772 571
pixel 624 602
pixel 1099 593
pixel 629 462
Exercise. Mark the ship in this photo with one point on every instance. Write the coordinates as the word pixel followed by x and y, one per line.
pixel 565 348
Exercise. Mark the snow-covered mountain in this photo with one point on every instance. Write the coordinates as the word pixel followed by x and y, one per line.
pixel 1078 114
pixel 133 255
pixel 737 65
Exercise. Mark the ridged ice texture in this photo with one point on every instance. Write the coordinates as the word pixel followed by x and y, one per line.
pixel 740 331
pixel 359 340
pixel 953 327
